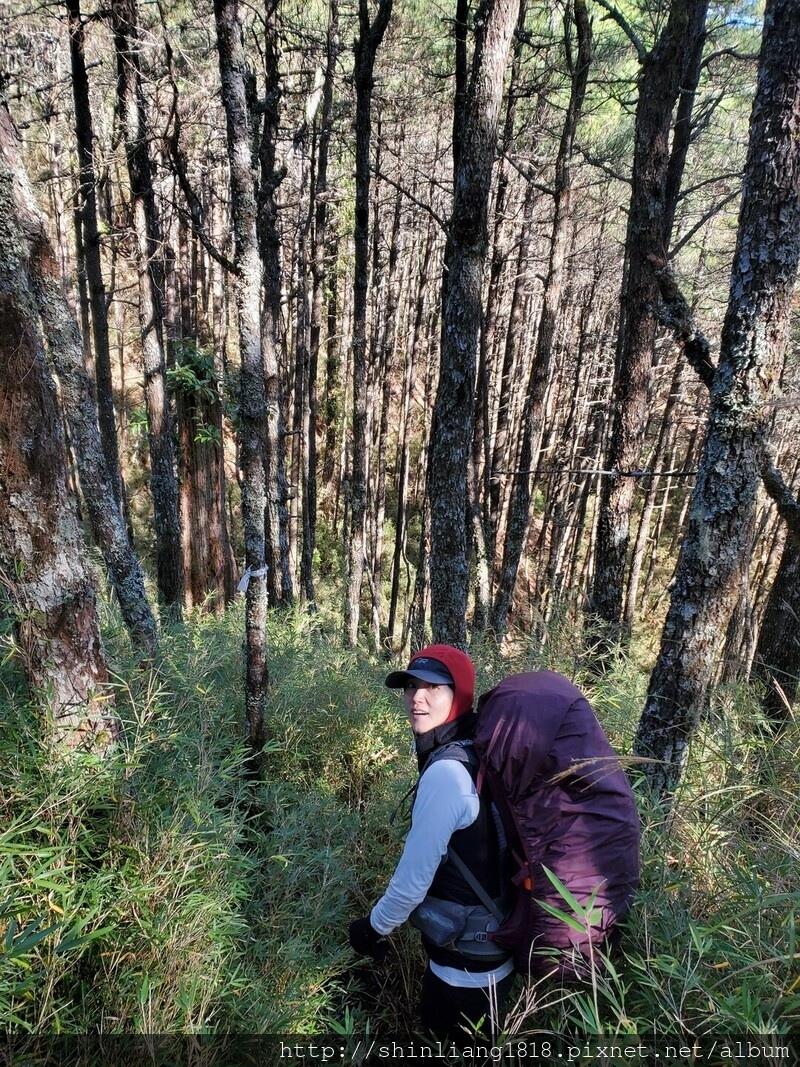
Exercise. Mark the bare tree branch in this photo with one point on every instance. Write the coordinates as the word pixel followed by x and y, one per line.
pixel 786 502
pixel 195 215
pixel 410 196
pixel 732 53
pixel 712 211
pixel 676 314
pixel 601 164
pixel 617 16
pixel 527 174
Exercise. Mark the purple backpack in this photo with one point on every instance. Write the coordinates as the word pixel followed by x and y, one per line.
pixel 567 808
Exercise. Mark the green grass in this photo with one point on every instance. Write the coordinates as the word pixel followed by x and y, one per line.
pixel 158 891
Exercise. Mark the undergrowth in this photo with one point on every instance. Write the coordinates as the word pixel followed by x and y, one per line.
pixel 160 891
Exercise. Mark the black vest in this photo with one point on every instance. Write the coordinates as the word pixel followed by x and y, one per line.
pixel 477 845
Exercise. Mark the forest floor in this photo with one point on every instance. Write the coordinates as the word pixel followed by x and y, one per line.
pixel 158 891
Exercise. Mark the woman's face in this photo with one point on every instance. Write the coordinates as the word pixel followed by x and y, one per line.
pixel 427 704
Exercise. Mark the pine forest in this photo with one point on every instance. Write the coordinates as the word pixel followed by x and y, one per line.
pixel 329 330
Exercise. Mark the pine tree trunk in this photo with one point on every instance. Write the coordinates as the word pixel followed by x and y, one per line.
pixel 668 78
pixel 412 369
pixel 44 568
pixel 666 435
pixel 80 408
pixel 331 403
pixel 319 216
pixel 279 576
pixel 370 37
pixel 304 383
pixel 253 394
pixel 462 300
pixel 320 261
pixel 415 631
pixel 88 240
pixel 503 452
pixel 163 481
pixel 401 514
pixel 496 263
pixel 519 511
pixel 385 363
pixel 754 338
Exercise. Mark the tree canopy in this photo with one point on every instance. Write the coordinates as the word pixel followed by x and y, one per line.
pixel 409 315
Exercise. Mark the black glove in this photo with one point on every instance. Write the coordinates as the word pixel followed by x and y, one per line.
pixel 367 941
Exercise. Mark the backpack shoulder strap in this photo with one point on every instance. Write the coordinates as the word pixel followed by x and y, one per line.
pixel 475 885
pixel 462 751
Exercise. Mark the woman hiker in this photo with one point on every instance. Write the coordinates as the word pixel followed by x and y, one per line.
pixel 467 978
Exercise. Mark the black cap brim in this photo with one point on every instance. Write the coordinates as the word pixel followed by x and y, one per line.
pixel 399 679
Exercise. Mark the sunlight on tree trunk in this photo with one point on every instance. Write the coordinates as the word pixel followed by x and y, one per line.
pixel 754 337
pixel 462 291
pixel 45 572
pixel 252 401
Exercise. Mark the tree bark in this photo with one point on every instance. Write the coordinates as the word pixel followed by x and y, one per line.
pixel 668 78
pixel 80 407
pixel 369 40
pixel 753 341
pixel 462 292
pixel 88 241
pixel 163 481
pixel 533 421
pixel 304 440
pixel 253 393
pixel 331 402
pixel 322 261
pixel 319 273
pixel 385 365
pixel 44 568
pixel 279 576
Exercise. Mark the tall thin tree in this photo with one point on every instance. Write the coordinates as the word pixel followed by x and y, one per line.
pixel 475 145
pixel 320 269
pixel 371 33
pixel 90 271
pixel 137 138
pixel 533 418
pixel 667 81
pixel 754 337
pixel 279 578
pixel 234 75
